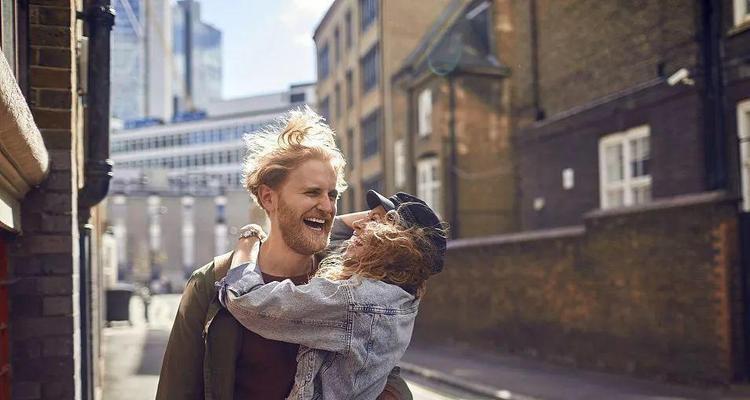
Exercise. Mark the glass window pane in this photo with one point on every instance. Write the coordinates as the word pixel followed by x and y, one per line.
pixel 615 198
pixel 639 157
pixel 614 162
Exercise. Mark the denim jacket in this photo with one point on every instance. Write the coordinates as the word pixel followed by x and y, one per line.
pixel 351 332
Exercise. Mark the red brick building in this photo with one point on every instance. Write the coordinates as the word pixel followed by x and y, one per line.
pixel 624 126
pixel 53 170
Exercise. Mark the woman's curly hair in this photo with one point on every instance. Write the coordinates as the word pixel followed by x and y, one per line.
pixel 391 252
pixel 300 135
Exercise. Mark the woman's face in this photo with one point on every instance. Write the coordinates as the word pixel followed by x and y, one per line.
pixel 354 248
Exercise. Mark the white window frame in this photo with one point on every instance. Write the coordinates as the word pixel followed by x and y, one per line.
pixel 428 182
pixel 743 135
pixel 741 12
pixel 424 112
pixel 628 183
pixel 399 164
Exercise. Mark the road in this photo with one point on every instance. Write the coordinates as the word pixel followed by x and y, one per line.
pixel 133 355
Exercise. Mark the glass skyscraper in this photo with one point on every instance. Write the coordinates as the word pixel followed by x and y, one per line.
pixel 127 68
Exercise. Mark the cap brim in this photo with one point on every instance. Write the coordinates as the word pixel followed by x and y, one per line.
pixel 375 199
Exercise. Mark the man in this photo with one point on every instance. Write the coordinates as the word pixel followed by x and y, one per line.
pixel 296 177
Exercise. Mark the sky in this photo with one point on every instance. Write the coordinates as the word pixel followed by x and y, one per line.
pixel 267 45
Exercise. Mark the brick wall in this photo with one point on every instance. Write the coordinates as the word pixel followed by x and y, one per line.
pixel 736 63
pixel 545 149
pixel 44 308
pixel 588 49
pixel 650 292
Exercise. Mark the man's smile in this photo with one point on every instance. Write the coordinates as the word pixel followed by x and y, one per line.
pixel 317 224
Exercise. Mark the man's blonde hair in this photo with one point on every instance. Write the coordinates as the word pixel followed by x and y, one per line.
pixel 298 136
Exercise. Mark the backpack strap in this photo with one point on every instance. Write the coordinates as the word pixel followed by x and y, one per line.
pixel 221 265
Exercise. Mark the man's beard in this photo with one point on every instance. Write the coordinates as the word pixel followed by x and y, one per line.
pixel 297 235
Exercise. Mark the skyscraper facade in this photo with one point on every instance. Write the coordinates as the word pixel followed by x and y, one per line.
pixel 149 60
pixel 197 54
pixel 127 65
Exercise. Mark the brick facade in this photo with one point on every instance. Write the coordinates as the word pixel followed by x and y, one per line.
pixel 45 315
pixel 398 26
pixel 589 69
pixel 471 123
pixel 544 151
pixel 650 292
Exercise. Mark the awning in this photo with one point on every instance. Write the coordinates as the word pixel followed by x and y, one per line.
pixel 24 161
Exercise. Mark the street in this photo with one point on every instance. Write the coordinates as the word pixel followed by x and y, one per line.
pixel 133 355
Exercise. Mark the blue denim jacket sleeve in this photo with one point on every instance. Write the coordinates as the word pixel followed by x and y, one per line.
pixel 315 315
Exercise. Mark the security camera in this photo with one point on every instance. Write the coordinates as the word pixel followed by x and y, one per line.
pixel 681 76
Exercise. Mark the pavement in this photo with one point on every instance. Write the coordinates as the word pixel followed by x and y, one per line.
pixel 133 354
pixel 493 376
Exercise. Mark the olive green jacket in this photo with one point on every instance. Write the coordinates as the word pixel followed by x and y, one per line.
pixel 199 362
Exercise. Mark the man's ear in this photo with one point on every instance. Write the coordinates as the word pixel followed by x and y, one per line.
pixel 268 198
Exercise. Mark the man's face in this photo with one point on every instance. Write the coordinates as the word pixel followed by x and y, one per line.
pixel 306 207
pixel 355 245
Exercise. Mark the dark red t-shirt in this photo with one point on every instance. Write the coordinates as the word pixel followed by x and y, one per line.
pixel 265 368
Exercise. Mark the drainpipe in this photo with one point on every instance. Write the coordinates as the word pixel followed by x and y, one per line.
pixel 99 17
pixel 713 95
pixel 452 164
pixel 534 44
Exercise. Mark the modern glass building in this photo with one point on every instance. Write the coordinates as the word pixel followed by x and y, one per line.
pixel 127 65
pixel 204 85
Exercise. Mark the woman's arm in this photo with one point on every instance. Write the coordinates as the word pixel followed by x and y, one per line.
pixel 314 315
pixel 246 249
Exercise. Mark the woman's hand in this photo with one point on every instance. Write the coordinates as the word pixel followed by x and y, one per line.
pixel 246 249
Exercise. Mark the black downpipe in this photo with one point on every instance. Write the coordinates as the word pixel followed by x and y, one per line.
pixel 87 353
pixel 455 229
pixel 534 44
pixel 99 17
pixel 713 96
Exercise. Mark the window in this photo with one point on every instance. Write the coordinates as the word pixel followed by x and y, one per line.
pixel 374 183
pixel 428 182
pixel 336 47
pixel 479 21
pixel 348 29
pixel 8 33
pixel 624 168
pixel 399 167
pixel 743 131
pixel 371 135
pixel 368 11
pixel 323 62
pixel 337 101
pixel 369 67
pixel 350 193
pixel 424 110
pixel 325 109
pixel 350 148
pixel 297 97
pixel 349 89
pixel 741 12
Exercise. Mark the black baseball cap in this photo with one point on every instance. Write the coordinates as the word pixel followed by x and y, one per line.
pixel 415 212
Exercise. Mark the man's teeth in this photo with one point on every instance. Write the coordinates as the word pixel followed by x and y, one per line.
pixel 316 220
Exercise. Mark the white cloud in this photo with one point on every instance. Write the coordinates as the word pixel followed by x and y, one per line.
pixel 300 17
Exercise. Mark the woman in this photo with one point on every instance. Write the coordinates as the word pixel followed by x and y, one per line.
pixel 355 316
